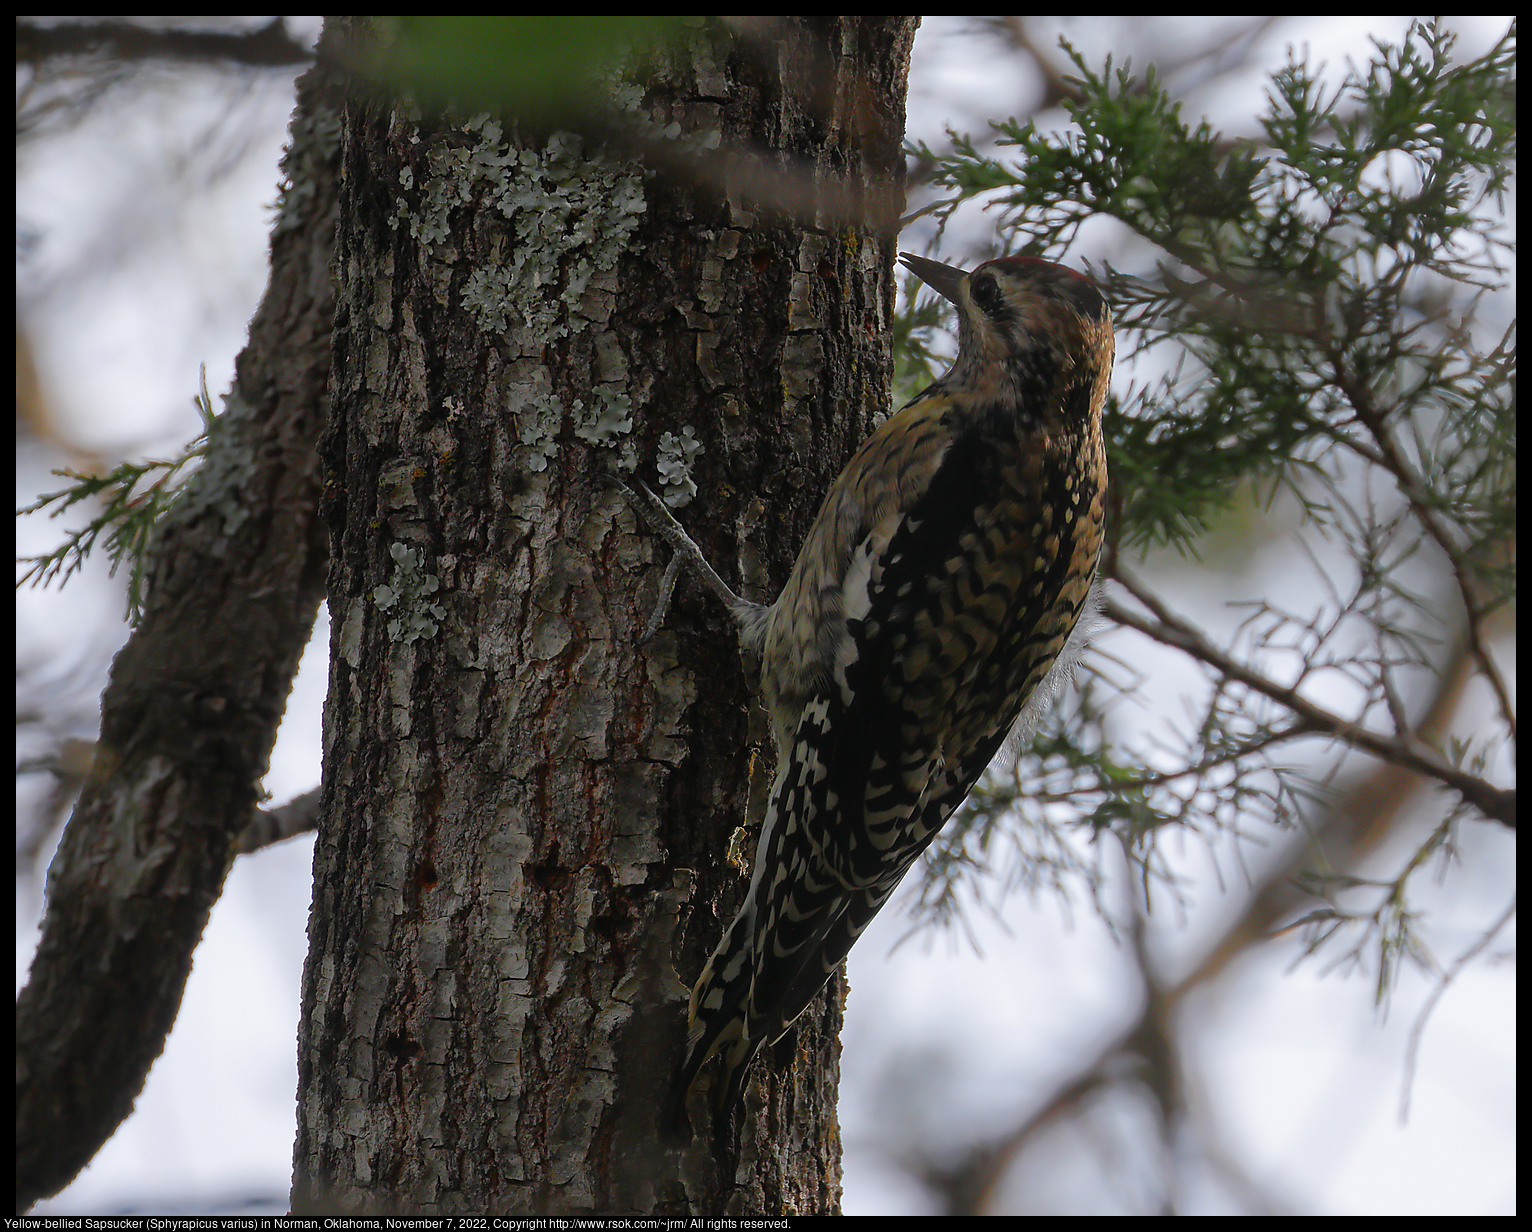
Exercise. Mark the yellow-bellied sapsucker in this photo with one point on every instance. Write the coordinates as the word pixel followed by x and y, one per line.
pixel 936 597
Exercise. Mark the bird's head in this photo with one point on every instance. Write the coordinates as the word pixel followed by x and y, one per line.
pixel 1025 327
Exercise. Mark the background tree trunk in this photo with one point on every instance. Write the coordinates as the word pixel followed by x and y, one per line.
pixel 520 865
pixel 190 714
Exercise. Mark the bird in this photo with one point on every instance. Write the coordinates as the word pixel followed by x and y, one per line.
pixel 936 603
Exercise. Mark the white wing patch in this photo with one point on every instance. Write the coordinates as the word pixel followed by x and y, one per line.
pixel 863 572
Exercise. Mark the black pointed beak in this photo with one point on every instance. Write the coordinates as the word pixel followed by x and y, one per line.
pixel 945 280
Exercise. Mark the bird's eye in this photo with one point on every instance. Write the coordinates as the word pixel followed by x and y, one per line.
pixel 986 293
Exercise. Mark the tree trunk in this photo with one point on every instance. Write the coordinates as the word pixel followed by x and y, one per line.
pixel 188 718
pixel 521 860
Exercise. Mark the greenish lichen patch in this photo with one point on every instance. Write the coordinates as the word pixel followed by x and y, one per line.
pixel 572 213
pixel 405 594
pixel 228 463
pixel 675 466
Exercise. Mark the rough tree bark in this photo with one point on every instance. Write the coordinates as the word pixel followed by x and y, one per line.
pixel 520 866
